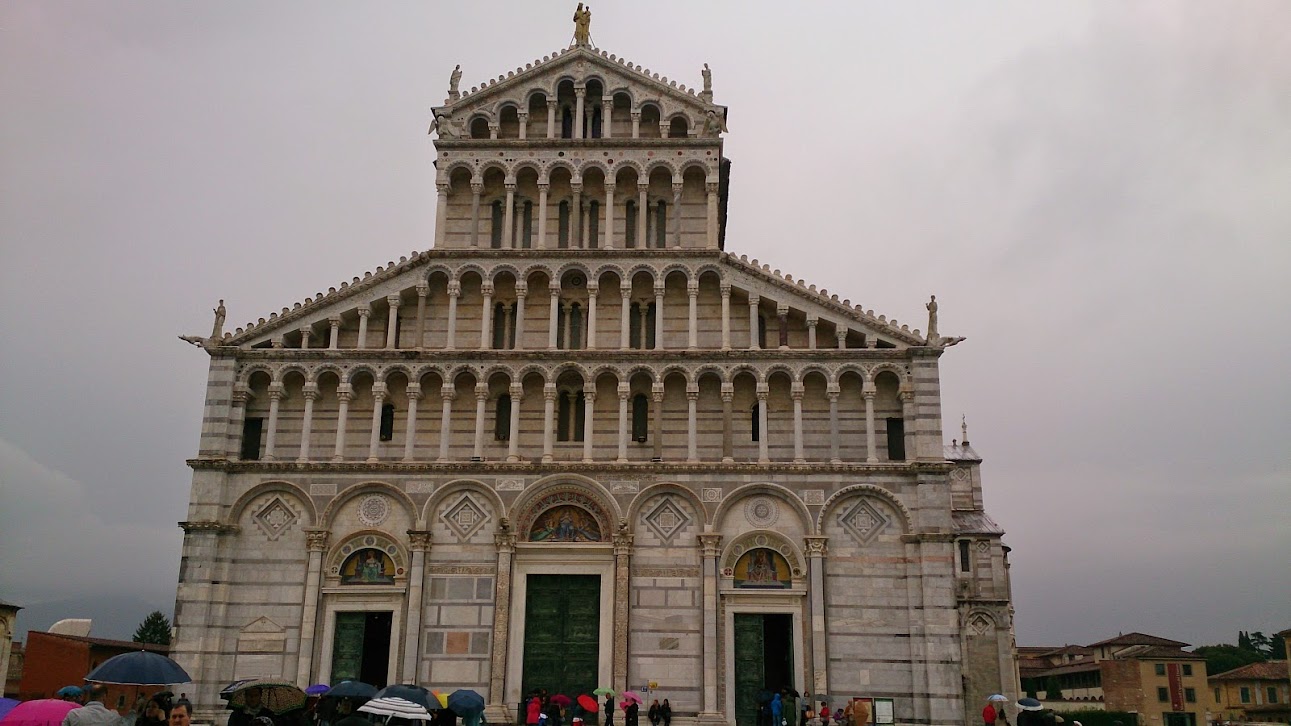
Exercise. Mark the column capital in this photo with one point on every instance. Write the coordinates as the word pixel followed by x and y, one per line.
pixel 378 391
pixel 589 395
pixel 365 310
pixel 576 186
pixel 832 392
pixel 423 288
pixel 692 394
pixel 523 115
pixel 643 187
pixel 517 392
pixel 580 90
pixel 636 115
pixel 555 292
pixel 692 288
pixel 816 545
pixel 754 300
pixel 658 289
pixel 869 395
pixel 676 189
pixel 549 392
pixel 522 291
pixel 310 392
pixel 610 187
pixel 486 288
pixel 454 289
pixel 841 333
pixel 796 390
pixel 394 301
pixel 812 321
pixel 725 288
pixel 240 395
pixel 316 539
pixel 477 188
pixel 505 541
pixel 443 187
pixel 625 291
pixel 277 391
pixel 710 544
pixel 906 396
pixel 344 392
pixel 509 186
pixel 762 392
pixel 481 391
pixel 447 392
pixel 782 309
pixel 419 540
pixel 334 321
pixel 414 392
pixel 622 539
pixel 728 392
pixel 551 104
pixel 593 288
pixel 711 187
pixel 544 186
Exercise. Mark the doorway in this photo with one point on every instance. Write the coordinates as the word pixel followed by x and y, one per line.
pixel 562 623
pixel 361 647
pixel 763 661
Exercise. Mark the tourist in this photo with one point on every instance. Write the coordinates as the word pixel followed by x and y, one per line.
pixel 154 714
pixel 250 710
pixel 630 714
pixel 652 715
pixel 93 713
pixel 609 709
pixel 533 711
pixel 665 713
pixel 777 710
pixel 181 713
pixel 790 707
pixel 823 713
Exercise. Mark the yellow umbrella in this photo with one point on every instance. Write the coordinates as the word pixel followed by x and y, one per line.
pixel 443 699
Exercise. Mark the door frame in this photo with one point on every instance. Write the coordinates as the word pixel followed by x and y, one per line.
pixel 785 603
pixel 577 559
pixel 370 603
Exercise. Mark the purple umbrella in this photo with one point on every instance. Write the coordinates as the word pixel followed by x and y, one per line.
pixel 317 689
pixel 7 705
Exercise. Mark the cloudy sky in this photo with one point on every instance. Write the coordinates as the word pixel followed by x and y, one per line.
pixel 1097 193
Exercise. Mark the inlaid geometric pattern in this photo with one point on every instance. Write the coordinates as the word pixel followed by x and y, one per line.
pixel 863 521
pixel 712 494
pixel 761 511
pixel 465 517
pixel 980 624
pixel 667 519
pixel 275 517
pixel 374 509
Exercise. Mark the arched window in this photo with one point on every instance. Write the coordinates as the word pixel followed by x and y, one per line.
pixel 575 341
pixel 562 239
pixel 596 123
pixel 762 331
pixel 566 122
pixel 755 423
pixel 526 226
pixel 650 326
pixel 678 128
pixel 640 418
pixel 580 416
pixel 480 128
pixel 387 422
pixel 593 225
pixel 965 560
pixel 500 314
pixel 661 224
pixel 896 439
pixel 252 429
pixel 495 239
pixel 502 419
pixel 563 409
pixel 630 224
pixel 570 416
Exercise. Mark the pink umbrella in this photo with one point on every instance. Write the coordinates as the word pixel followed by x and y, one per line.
pixel 42 712
pixel 632 697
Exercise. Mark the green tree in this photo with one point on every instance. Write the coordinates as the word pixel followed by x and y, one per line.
pixel 1260 643
pixel 1051 688
pixel 1224 657
pixel 154 629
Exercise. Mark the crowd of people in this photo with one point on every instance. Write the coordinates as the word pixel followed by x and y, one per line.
pixel 162 709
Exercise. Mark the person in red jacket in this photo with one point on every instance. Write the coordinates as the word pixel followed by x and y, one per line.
pixel 989 714
pixel 533 712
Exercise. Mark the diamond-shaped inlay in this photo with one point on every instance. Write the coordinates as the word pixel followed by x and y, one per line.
pixel 667 519
pixel 465 517
pixel 980 624
pixel 863 521
pixel 275 517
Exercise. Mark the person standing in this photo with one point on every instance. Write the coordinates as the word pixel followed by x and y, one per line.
pixel 609 709
pixel 652 715
pixel 181 714
pixel 533 711
pixel 630 714
pixel 93 713
pixel 665 713
pixel 777 710
pixel 989 714
pixel 790 708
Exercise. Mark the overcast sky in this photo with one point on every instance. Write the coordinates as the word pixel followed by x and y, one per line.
pixel 1097 193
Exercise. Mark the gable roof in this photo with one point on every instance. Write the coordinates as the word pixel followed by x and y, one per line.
pixel 106 642
pixel 1273 670
pixel 1156 651
pixel 1138 639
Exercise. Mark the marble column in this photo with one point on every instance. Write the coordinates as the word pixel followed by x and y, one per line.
pixel 333 332
pixel 374 441
pixel 726 315
pixel 508 216
pixel 710 550
pixel 658 316
pixel 576 214
pixel 392 320
pixel 593 292
pixel 522 294
pixel 728 449
pixel 548 422
pixel 692 322
pixel 316 541
pixel 643 214
pixel 446 395
pixel 553 318
pixel 763 433
pixel 841 335
pixel 513 441
pixel 869 392
pixel 609 215
pixel 419 544
pixel 796 392
pixel 816 548
pixel 365 311
pixel 624 395
pixel 343 394
pixel 782 325
pixel 410 424
pixel 237 421
pixel 305 334
pixel 441 212
pixel 486 317
pixel 692 433
pixel 580 96
pixel 811 332
pixel 658 421
pixel 676 214
pixel 607 108
pixel 542 215
pixel 497 710
pixel 907 415
pixel 276 394
pixel 589 408
pixel 307 423
pixel 622 582
pixel 523 117
pixel 476 189
pixel 481 398
pixel 832 392
pixel 551 118
pixel 419 335
pixel 636 124
pixel 754 301
pixel 625 316
pixel 454 292
pixel 712 216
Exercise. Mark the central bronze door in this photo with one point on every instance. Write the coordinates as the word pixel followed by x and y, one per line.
pixel 562 625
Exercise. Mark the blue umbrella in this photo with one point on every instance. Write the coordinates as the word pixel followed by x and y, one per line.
pixel 1029 704
pixel 357 690
pixel 466 703
pixel 416 694
pixel 140 668
pixel 74 691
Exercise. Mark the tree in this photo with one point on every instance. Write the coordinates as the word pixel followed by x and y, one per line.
pixel 1053 691
pixel 1260 643
pixel 154 629
pixel 1224 657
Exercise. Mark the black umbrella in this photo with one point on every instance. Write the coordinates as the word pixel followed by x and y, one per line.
pixel 357 690
pixel 407 692
pixel 764 696
pixel 139 668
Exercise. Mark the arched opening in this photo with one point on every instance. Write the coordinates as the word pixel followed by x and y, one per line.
pixel 502 419
pixel 526 225
pixel 495 230
pixel 887 404
pixel 755 429
pixel 640 418
pixel 562 229
pixel 661 224
pixel 593 224
pixel 509 123
pixel 630 224
pixel 387 422
pixel 649 126
pixel 480 128
pixel 566 121
pixel 678 128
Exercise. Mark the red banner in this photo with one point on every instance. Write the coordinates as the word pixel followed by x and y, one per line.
pixel 1175 675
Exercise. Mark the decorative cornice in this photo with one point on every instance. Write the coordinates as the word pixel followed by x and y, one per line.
pixel 207 526
pixel 505 467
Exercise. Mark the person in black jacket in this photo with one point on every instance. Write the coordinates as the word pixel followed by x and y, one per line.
pixel 609 709
pixel 665 713
pixel 630 715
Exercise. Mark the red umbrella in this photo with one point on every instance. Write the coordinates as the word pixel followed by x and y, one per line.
pixel 588 703
pixel 561 700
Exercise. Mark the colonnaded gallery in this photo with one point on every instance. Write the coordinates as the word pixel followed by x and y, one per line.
pixel 580 444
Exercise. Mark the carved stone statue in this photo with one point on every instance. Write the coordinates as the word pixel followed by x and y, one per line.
pixel 217 331
pixel 932 320
pixel 453 80
pixel 713 124
pixel 583 25
pixel 708 79
pixel 445 127
pixel 196 340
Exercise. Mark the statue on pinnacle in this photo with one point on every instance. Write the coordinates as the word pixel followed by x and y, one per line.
pixel 583 25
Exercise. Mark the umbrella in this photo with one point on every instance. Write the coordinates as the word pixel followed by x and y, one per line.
pixel 317 689
pixel 42 712
pixel 794 692
pixel 7 705
pixel 560 699
pixel 395 706
pixel 632 697
pixel 277 696
pixel 996 697
pixel 416 694
pixel 466 703
pixel 764 696
pixel 139 668
pixel 442 698
pixel 357 690
pixel 588 703
pixel 74 691
pixel 604 691
pixel 1029 704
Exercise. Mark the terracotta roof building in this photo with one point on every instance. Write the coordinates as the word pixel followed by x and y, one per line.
pixel 1254 692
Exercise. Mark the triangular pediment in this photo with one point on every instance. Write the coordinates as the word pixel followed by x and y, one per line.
pixel 579 64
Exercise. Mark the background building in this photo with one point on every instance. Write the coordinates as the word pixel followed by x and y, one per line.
pixel 579 444
pixel 1254 692
pixel 54 660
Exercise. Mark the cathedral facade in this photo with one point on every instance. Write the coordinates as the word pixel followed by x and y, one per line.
pixel 579 444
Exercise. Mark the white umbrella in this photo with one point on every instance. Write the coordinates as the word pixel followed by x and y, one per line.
pixel 395 706
pixel 996 697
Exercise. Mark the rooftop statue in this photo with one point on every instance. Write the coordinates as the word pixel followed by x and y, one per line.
pixel 708 79
pixel 453 80
pixel 583 25
pixel 932 320
pixel 218 329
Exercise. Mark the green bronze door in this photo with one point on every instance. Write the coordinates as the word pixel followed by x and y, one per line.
pixel 347 646
pixel 562 625
pixel 750 667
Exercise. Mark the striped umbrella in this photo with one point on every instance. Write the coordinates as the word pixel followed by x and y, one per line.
pixel 395 706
